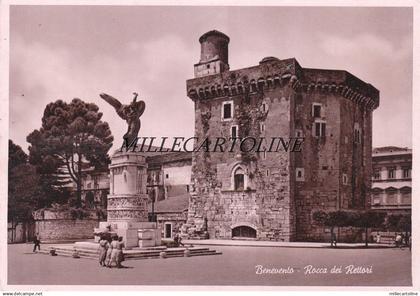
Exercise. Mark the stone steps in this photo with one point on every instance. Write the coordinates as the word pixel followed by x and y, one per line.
pixel 90 253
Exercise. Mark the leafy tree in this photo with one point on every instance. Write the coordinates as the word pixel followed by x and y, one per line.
pixel 368 219
pixel 24 192
pixel 16 155
pixel 332 220
pixel 399 223
pixel 72 138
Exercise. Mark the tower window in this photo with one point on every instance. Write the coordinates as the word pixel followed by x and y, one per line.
pixel 345 179
pixel 262 127
pixel 239 179
pixel 234 131
pixel 357 133
pixel 319 129
pixel 316 110
pixel 300 174
pixel 227 110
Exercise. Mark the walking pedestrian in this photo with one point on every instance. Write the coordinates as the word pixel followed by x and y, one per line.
pixel 37 242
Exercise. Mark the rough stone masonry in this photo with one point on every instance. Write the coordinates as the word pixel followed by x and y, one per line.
pixel 271 196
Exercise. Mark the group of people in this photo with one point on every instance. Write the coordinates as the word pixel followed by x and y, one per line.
pixel 111 251
pixel 401 239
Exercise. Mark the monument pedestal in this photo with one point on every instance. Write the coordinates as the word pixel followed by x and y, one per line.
pixel 127 202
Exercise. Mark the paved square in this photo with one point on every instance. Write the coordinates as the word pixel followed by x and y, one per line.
pixel 236 266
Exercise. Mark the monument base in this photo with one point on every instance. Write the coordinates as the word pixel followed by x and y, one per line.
pixel 134 234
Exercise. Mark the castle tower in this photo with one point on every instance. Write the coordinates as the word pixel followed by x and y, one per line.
pixel 214 54
pixel 273 195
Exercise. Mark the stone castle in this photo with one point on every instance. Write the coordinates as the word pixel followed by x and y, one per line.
pixel 272 195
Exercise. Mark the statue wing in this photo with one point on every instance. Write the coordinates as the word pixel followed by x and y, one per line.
pixel 111 100
pixel 139 106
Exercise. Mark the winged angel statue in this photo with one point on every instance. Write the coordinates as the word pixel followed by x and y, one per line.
pixel 130 113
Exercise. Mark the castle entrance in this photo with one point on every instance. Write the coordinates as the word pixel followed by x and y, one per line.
pixel 244 232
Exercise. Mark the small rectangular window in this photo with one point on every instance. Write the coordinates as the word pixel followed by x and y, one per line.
pixel 167 176
pixel 320 129
pixel 406 173
pixel 227 110
pixel 391 173
pixel 262 127
pixel 239 181
pixel 357 133
pixel 300 174
pixel 316 110
pixel 377 175
pixel 345 179
pixel 234 131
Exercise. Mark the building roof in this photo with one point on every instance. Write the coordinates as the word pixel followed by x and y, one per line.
pixel 157 160
pixel 390 150
pixel 213 32
pixel 174 204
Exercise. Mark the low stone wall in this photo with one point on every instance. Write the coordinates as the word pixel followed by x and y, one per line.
pixel 65 229
pixel 62 226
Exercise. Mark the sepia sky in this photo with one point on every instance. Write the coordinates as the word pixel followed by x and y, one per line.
pixel 62 52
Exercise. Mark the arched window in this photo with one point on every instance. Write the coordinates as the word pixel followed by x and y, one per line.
pixel 239 179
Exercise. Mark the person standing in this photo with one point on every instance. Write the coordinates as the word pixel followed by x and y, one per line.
pixel 409 242
pixel 378 238
pixel 114 251
pixel 37 242
pixel 398 240
pixel 120 255
pixel 103 248
pixel 108 252
pixel 334 239
pixel 178 240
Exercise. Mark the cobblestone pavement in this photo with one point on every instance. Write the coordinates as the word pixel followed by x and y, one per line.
pixel 236 266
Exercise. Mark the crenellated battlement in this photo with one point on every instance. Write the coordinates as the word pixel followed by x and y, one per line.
pixel 279 73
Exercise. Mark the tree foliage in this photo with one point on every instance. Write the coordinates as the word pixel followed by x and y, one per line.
pixel 24 192
pixel 401 222
pixel 71 139
pixel 16 155
pixel 365 219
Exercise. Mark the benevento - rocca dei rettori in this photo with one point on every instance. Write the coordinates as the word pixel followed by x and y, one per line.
pixel 271 196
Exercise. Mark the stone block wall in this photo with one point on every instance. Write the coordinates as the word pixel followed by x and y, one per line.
pixel 275 99
pixel 53 225
pixel 266 203
pixel 177 220
pixel 65 229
